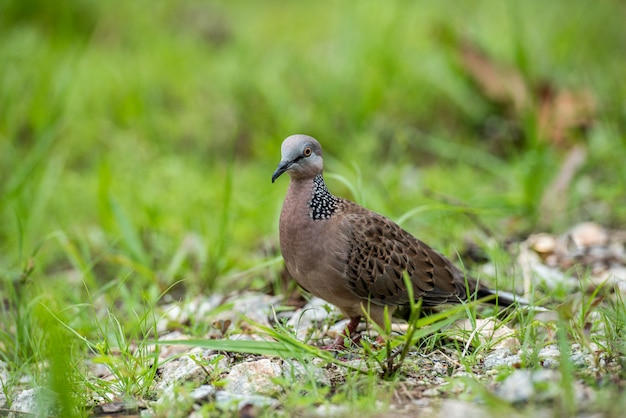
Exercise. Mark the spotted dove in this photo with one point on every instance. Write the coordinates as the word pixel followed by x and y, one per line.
pixel 355 258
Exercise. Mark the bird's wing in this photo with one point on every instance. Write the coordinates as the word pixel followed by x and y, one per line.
pixel 379 254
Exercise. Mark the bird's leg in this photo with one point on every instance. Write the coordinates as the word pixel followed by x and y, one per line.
pixel 350 333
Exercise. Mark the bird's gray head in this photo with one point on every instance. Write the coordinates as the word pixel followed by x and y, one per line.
pixel 301 157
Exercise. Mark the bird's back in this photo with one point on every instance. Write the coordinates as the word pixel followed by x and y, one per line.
pixel 379 254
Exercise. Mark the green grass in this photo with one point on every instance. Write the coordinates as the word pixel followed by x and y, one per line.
pixel 137 141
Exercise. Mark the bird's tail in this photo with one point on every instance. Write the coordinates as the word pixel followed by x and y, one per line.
pixel 504 299
pixel 501 298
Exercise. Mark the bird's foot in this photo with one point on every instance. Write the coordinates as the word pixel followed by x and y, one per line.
pixel 349 334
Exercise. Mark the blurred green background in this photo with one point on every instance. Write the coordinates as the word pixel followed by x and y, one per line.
pixel 138 138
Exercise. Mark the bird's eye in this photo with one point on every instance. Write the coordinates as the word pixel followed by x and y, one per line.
pixel 307 152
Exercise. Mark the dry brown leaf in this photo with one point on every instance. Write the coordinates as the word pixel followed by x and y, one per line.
pixel 500 83
pixel 561 112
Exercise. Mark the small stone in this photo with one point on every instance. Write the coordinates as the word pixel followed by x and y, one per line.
pixel 4 374
pixel 501 357
pixel 330 410
pixel 296 370
pixel 182 369
pixel 33 401
pixel 228 401
pixel 580 360
pixel 25 401
pixel 454 408
pixel 588 234
pixel 4 377
pixel 549 357
pixel 551 277
pixel 338 328
pixel 483 331
pixel 529 385
pixel 254 377
pixel 614 276
pixel 310 316
pixel 431 392
pixel 542 243
pixel 202 393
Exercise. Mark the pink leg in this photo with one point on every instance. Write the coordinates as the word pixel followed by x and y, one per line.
pixel 349 332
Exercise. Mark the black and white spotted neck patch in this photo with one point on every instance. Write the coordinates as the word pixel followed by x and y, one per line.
pixel 323 204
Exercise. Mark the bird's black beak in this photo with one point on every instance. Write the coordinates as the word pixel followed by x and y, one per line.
pixel 282 167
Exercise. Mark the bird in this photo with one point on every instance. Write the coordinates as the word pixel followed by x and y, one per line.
pixel 355 258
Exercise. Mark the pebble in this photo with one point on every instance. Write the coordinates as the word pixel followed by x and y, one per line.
pixel 202 393
pixel 330 410
pixel 294 370
pixel 483 331
pixel 179 370
pixel 227 401
pixel 27 401
pixel 529 385
pixel 254 377
pixel 310 317
pixel 431 392
pixel 454 408
pixel 500 358
pixel 4 377
pixel 588 234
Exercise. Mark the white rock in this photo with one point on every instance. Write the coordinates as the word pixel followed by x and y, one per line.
pixel 542 243
pixel 338 328
pixel 4 377
pixel 4 374
pixel 453 408
pixel 179 370
pixel 254 377
pixel 529 385
pixel 431 392
pixel 550 277
pixel 501 357
pixel 549 356
pixel 331 410
pixel 614 276
pixel 310 316
pixel 202 393
pixel 485 331
pixel 26 401
pixel 228 401
pixel 295 370
pixel 588 234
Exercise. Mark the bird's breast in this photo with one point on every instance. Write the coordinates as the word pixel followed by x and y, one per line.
pixel 314 251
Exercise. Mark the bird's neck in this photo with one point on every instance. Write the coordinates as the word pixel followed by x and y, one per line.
pixel 323 203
